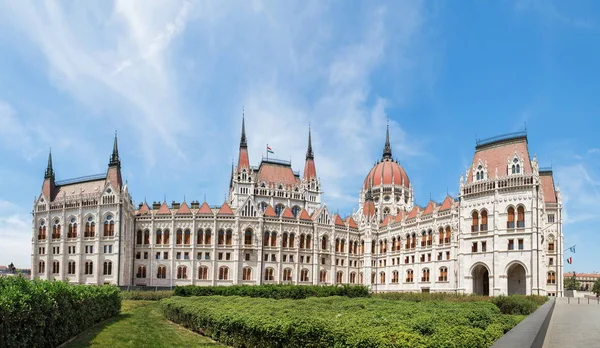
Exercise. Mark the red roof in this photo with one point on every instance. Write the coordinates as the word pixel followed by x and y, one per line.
pixel 498 154
pixel 164 209
pixel 144 209
pixel 184 209
pixel 547 182
pixel 398 217
pixel 287 213
pixel 309 169
pixel 578 275
pixel 429 208
pixel 387 172
pixel 387 220
pixel 338 220
pixel 225 210
pixel 270 212
pixel 369 209
pixel 447 204
pixel 243 161
pixel 351 223
pixel 304 215
pixel 205 209
pixel 413 213
pixel 276 173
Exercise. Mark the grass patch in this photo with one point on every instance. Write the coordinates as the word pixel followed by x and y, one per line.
pixel 147 295
pixel 140 324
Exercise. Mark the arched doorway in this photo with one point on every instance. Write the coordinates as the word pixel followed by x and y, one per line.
pixel 481 280
pixel 516 279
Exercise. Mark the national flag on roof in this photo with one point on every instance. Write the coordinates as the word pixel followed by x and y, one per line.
pixel 570 260
pixel 572 249
pixel 269 150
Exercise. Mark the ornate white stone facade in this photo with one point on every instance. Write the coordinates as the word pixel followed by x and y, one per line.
pixel 503 234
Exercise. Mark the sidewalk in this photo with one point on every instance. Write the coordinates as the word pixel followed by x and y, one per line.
pixel 574 325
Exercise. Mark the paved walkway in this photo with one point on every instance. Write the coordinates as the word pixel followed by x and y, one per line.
pixel 573 324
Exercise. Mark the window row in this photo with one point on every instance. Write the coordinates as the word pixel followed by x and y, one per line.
pixel 89 231
pixel 184 237
pixel 71 267
pixel 479 220
pixel 425 276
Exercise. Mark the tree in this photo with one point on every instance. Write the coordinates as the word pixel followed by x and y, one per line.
pixel 596 287
pixel 572 283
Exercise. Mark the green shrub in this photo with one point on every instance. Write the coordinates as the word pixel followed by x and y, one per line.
pixel 274 291
pixel 339 321
pixel 45 314
pixel 516 304
pixel 147 295
pixel 433 296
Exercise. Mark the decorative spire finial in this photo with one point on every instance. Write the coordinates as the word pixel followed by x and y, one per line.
pixel 387 149
pixel 243 142
pixel 309 151
pixel 114 157
pixel 49 174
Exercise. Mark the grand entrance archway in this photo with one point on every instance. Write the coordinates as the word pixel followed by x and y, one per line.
pixel 516 279
pixel 481 280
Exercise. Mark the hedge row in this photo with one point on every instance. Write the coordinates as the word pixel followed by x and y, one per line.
pixel 275 291
pixel 432 296
pixel 147 295
pixel 339 322
pixel 45 314
pixel 519 304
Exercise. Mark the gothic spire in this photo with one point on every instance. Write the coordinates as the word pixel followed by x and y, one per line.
pixel 243 142
pixel 114 157
pixel 49 174
pixel 387 149
pixel 309 151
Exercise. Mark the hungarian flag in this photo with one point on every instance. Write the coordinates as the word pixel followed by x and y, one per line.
pixel 570 260
pixel 269 150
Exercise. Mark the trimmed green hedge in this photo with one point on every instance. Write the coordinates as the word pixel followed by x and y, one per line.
pixel 45 314
pixel 275 291
pixel 432 296
pixel 147 295
pixel 339 322
pixel 519 304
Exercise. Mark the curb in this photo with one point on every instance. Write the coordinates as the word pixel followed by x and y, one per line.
pixel 531 332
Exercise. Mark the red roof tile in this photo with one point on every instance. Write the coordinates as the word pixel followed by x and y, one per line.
pixel 164 209
pixel 429 208
pixel 386 220
pixel 547 182
pixel 369 209
pixel 276 173
pixel 225 210
pixel 399 217
pixel 304 215
pixel 413 213
pixel 498 155
pixel 270 212
pixel 316 213
pixel 338 220
pixel 447 204
pixel 351 223
pixel 309 169
pixel 144 209
pixel 205 209
pixel 287 213
pixel 387 172
pixel 184 209
pixel 243 161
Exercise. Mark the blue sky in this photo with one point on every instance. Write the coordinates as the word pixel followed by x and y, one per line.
pixel 173 76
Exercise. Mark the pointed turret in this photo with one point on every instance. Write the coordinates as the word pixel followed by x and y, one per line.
pixel 114 166
pixel 48 187
pixel 309 167
pixel 243 161
pixel 49 174
pixel 387 149
pixel 369 206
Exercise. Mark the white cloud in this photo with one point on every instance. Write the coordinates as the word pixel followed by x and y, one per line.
pixel 15 234
pixel 594 151
pixel 580 194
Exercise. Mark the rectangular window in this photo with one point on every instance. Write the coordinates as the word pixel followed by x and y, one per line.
pixel 511 244
pixel 483 246
pixel 422 259
pixel 110 249
pixel 520 244
pixel 474 247
pixel 322 260
pixel 308 259
pixel 284 258
pixel 301 258
pixel 166 255
pixel 550 218
pixel 412 259
pixel 337 262
pixel 439 256
pixel 178 256
pixel 273 258
pixel 186 256
pixel 158 255
pixel 206 256
pixel 227 256
pixel 429 257
pixel 447 255
pixel 551 261
pixel 220 256
pixel 199 256
pixel 291 258
pixel 247 257
pixel 342 262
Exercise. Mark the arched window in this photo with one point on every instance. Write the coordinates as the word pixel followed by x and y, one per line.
pixel 166 235
pixel 296 210
pixel 41 267
pixel 304 275
pixel 324 243
pixel 353 278
pixel 161 272
pixel 138 239
pixel 409 276
pixel 200 237
pixel 158 237
pixel 72 229
pixel 247 273
pixel 89 267
pixel 179 237
pixel 551 277
pixel 413 242
pixel 221 237
pixel 186 237
pixel 407 246
pixel 302 241
pixel 323 276
pixel 269 274
pixel 273 239
pixel 362 248
pixel 339 276
pixel 361 278
pixel 56 230
pixel 42 231
pixel 228 237
pixel 429 238
pixel 423 238
pixel 474 221
pixel 373 276
pixel 141 272
pixel 484 220
pixel 90 228
pixel 223 273
pixel 107 268
pixel 56 267
pixel 263 205
pixel 520 217
pixel 287 275
pixel 109 227
pixel 441 236
pixel 266 237
pixel 443 274
pixel 203 273
pixel 284 240
pixel 181 272
pixel 373 246
pixel 381 277
pixel 207 237
pixel 279 209
pixel 292 242
pixel 343 246
pixel 448 235
pixel 337 245
pixel 395 276
pixel 393 244
pixel 308 242
pixel 146 237
pixel 248 237
pixel 510 222
pixel 425 277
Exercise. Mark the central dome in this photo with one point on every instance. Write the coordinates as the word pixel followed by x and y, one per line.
pixel 387 172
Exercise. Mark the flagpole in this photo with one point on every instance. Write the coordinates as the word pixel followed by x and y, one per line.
pixel 267 151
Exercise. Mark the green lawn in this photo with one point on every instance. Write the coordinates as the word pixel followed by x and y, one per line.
pixel 140 324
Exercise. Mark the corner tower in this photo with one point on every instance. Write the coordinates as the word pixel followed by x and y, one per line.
pixel 312 186
pixel 241 182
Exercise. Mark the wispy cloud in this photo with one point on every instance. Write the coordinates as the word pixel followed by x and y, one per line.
pixel 548 10
pixel 15 234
